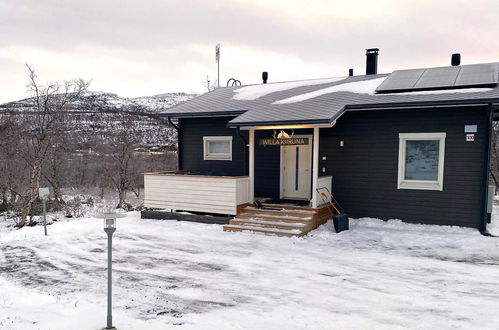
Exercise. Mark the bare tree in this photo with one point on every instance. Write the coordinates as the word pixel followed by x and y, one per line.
pixel 43 128
pixel 210 85
pixel 119 149
pixel 57 155
pixel 10 165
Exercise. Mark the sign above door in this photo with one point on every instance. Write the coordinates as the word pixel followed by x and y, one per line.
pixel 284 141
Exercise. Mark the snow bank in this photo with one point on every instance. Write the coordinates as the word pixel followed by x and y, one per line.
pixel 361 87
pixel 256 91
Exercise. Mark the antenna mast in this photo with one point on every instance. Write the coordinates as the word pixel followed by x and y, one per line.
pixel 217 58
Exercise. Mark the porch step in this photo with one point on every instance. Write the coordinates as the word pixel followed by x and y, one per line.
pixel 273 217
pixel 287 221
pixel 265 230
pixel 256 222
pixel 283 211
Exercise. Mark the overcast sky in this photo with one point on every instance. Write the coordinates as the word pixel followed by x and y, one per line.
pixel 146 47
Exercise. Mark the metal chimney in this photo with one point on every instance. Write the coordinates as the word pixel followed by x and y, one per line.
pixel 350 72
pixel 455 59
pixel 372 60
pixel 265 76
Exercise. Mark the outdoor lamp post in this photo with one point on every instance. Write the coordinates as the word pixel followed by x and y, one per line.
pixel 109 228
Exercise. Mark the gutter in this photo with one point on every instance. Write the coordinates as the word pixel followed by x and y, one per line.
pixel 171 123
pixel 281 122
pixel 421 103
pixel 201 114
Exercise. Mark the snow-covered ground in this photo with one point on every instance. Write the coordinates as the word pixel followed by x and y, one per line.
pixel 168 274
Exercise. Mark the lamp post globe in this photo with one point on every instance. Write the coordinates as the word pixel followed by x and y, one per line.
pixel 109 228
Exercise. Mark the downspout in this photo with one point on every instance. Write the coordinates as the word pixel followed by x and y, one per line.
pixel 486 171
pixel 179 147
pixel 245 163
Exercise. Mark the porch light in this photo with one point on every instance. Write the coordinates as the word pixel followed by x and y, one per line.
pixel 283 135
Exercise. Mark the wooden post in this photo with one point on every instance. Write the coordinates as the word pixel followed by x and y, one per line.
pixel 252 164
pixel 315 166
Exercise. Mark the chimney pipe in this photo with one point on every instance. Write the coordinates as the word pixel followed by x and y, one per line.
pixel 372 60
pixel 350 72
pixel 455 59
pixel 265 76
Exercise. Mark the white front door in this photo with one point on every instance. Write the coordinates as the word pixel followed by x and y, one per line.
pixel 296 164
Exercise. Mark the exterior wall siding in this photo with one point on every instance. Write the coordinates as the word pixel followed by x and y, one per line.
pixel 365 170
pixel 191 144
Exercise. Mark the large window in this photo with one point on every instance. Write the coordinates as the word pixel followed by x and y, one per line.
pixel 421 161
pixel 217 147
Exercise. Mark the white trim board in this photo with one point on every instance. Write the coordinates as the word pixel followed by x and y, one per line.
pixel 207 155
pixel 402 183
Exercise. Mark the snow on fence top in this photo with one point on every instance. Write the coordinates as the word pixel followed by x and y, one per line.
pixel 256 91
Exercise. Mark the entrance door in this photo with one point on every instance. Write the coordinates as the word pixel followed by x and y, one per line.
pixel 296 171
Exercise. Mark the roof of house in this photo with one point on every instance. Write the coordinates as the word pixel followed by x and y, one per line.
pixel 324 100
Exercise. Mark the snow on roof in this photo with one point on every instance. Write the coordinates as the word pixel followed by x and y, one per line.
pixel 360 87
pixel 254 92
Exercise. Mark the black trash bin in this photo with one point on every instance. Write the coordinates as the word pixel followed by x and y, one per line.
pixel 340 222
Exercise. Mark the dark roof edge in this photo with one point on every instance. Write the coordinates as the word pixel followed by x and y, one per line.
pixel 424 89
pixel 420 103
pixel 368 106
pixel 201 114
pixel 281 122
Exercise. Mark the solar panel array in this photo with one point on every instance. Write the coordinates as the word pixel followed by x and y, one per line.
pixel 473 75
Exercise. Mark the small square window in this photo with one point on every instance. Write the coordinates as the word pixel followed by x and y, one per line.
pixel 421 161
pixel 217 147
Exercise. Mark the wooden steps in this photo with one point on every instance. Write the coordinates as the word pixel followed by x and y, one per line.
pixel 285 221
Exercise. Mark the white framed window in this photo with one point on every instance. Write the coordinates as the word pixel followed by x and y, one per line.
pixel 421 161
pixel 217 147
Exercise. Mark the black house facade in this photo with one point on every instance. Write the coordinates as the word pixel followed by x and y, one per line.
pixel 412 145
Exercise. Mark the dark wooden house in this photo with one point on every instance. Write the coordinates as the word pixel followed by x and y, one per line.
pixel 411 145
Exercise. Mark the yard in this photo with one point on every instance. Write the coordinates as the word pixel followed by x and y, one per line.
pixel 378 275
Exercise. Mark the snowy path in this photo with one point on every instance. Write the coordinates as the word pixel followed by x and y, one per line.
pixel 376 276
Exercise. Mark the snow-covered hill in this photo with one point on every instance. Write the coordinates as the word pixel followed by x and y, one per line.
pixel 94 112
pixel 101 101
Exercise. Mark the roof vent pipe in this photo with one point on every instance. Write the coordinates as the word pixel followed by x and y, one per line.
pixel 372 60
pixel 350 72
pixel 455 59
pixel 265 76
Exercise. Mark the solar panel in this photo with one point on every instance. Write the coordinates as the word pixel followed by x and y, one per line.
pixel 401 79
pixel 441 78
pixel 438 77
pixel 478 74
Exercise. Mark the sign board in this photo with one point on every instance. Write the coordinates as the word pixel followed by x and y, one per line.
pixel 44 193
pixel 284 142
pixel 217 53
pixel 470 137
pixel 470 128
